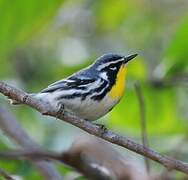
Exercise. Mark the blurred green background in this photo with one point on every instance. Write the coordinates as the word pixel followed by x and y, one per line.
pixel 44 41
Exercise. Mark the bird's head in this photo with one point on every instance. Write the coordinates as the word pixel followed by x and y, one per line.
pixel 109 65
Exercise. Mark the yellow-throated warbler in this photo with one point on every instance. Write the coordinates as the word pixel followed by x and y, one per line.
pixel 91 92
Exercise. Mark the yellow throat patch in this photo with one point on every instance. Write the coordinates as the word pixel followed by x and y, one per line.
pixel 118 88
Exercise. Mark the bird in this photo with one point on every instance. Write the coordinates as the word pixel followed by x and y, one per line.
pixel 91 92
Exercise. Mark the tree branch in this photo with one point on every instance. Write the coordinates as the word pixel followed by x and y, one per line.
pixel 10 126
pixel 5 175
pixel 87 126
pixel 32 151
pixel 82 165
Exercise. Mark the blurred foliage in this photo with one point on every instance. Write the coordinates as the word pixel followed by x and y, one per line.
pixel 44 41
pixel 20 20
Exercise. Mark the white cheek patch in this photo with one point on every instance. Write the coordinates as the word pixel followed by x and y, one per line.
pixel 104 76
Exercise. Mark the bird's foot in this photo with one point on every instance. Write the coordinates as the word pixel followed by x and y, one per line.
pixel 102 127
pixel 61 111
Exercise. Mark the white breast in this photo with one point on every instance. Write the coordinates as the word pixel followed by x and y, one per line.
pixel 90 109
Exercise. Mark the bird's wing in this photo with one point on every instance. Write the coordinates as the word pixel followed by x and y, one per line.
pixel 73 82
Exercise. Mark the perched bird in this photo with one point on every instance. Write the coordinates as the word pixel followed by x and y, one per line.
pixel 91 92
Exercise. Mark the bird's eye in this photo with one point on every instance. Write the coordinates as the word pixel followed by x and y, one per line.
pixel 113 68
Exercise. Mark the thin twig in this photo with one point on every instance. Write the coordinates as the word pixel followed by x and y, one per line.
pixel 87 126
pixel 5 175
pixel 180 79
pixel 143 122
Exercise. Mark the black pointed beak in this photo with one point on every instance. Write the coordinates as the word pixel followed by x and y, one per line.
pixel 130 57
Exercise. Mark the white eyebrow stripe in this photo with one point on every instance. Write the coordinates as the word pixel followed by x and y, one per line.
pixel 107 64
pixel 113 68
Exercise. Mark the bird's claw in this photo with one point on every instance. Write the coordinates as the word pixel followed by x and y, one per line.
pixel 60 111
pixel 102 127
